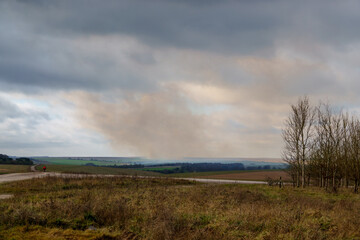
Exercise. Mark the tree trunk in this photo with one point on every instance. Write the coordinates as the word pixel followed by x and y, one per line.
pixel 356 186
pixel 297 179
pixel 334 182
pixel 303 174
pixel 321 181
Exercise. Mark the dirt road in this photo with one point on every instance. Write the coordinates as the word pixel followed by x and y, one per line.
pixel 20 176
pixel 33 168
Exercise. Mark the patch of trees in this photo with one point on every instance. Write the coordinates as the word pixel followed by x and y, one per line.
pixel 208 167
pixel 322 146
pixel 4 159
pixel 202 167
pixel 131 166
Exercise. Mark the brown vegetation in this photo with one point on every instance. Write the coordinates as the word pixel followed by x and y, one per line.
pixel 255 175
pixel 10 168
pixel 135 208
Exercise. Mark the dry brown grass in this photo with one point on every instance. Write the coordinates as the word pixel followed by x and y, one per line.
pixel 10 168
pixel 134 208
pixel 256 175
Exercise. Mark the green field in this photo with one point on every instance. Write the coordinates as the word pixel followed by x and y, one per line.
pixel 67 161
pixel 4 168
pixel 96 170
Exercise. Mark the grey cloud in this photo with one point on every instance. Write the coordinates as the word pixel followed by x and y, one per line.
pixel 26 129
pixel 8 110
pixel 24 75
pixel 230 26
pixel 146 59
pixel 77 45
pixel 21 144
pixel 36 41
pixel 58 64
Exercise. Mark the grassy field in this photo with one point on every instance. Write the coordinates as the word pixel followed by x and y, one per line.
pixel 134 208
pixel 4 168
pixel 95 170
pixel 67 161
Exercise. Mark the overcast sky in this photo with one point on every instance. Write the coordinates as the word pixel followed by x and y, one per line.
pixel 169 79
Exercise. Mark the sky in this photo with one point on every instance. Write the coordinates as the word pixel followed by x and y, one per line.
pixel 169 79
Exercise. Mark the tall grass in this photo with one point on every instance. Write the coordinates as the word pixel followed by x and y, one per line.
pixel 134 208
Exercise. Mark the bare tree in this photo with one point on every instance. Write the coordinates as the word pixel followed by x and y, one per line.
pixel 297 135
pixel 345 149
pixel 322 145
pixel 331 141
pixel 354 151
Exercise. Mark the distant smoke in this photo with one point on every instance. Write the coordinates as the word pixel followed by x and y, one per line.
pixel 157 125
pixel 216 118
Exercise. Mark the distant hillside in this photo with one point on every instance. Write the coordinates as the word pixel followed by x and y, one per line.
pixel 101 161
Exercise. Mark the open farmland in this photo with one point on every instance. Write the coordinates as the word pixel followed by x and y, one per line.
pixel 96 170
pixel 5 168
pixel 231 175
pixel 72 161
pixel 135 208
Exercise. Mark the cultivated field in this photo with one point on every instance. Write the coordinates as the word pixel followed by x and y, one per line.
pixel 134 208
pixel 4 168
pixel 96 170
pixel 72 161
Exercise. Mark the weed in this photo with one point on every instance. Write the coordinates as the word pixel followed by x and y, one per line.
pixel 141 208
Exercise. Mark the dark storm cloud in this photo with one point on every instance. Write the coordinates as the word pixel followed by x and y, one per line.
pixel 229 25
pixel 240 26
pixel 36 36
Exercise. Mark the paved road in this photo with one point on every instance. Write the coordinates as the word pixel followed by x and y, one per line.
pixel 30 175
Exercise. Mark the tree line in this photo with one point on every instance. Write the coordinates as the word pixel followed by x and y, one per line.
pixel 4 159
pixel 194 167
pixel 322 146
